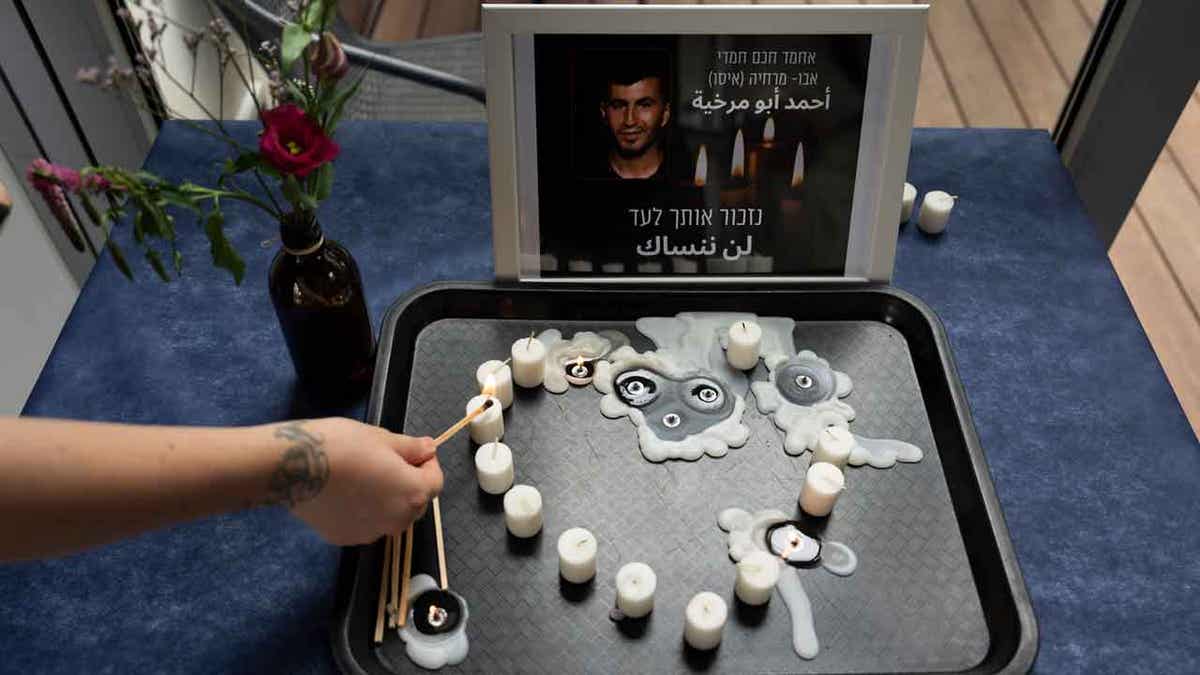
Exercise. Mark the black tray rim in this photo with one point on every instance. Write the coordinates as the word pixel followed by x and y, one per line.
pixel 1026 649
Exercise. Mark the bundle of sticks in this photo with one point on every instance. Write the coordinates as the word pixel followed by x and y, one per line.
pixel 394 581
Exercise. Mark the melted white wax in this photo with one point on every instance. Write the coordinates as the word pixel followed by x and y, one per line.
pixel 559 351
pixel 747 533
pixel 433 652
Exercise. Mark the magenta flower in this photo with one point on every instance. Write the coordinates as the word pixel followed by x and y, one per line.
pixel 52 182
pixel 42 174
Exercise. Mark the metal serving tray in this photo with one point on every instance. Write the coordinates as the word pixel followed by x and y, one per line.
pixel 937 587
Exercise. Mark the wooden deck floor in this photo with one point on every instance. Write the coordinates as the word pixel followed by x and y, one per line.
pixel 1010 63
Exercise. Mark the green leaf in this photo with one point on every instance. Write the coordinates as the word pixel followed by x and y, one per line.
pixel 97 218
pixel 324 181
pixel 119 259
pixel 177 258
pixel 295 39
pixel 339 104
pixel 244 162
pixel 223 254
pixel 318 14
pixel 181 199
pixel 296 195
pixel 157 263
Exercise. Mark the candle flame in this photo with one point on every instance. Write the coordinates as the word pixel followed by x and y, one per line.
pixel 798 166
pixel 769 130
pixel 489 386
pixel 579 361
pixel 738 169
pixel 701 167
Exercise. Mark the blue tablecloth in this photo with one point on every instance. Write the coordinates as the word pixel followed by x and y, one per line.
pixel 1096 467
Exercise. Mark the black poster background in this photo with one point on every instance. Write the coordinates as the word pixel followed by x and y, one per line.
pixel 584 215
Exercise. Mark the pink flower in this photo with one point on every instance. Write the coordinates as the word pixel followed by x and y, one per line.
pixel 94 182
pixel 328 58
pixel 293 142
pixel 50 180
pixel 42 174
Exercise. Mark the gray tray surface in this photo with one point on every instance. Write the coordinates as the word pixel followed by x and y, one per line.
pixel 912 604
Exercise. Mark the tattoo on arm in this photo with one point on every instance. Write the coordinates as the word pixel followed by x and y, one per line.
pixel 303 468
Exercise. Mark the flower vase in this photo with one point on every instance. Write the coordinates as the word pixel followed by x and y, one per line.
pixel 318 296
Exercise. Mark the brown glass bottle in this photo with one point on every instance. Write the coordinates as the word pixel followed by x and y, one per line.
pixel 318 296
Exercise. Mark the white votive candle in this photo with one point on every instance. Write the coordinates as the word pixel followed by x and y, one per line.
pixel 833 446
pixel 613 268
pixel 745 341
pixel 490 424
pixel 502 380
pixel 822 485
pixel 935 211
pixel 494 467
pixel 528 362
pixel 635 589
pixel 523 511
pixel 757 575
pixel 577 555
pixel 705 620
pixel 579 265
pixel 906 204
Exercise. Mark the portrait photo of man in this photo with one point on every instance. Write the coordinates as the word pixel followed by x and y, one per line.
pixel 635 110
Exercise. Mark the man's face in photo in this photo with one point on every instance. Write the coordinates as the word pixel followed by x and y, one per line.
pixel 636 114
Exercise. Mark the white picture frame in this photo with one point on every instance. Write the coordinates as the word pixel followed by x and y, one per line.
pixel 898 35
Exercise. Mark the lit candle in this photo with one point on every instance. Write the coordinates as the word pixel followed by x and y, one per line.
pixel 745 341
pixel 833 446
pixel 613 268
pixel 650 268
pixel 523 511
pixel 735 194
pixel 685 265
pixel 701 175
pixel 502 376
pixel 757 574
pixel 760 156
pixel 580 371
pixel 705 620
pixel 528 362
pixel 935 211
pixel 791 546
pixel 579 265
pixel 494 467
pixel 635 589
pixel 577 555
pixel 822 484
pixel 791 205
pixel 490 424
pixel 906 204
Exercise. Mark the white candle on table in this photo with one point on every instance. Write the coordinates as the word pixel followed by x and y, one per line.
pixel 613 268
pixel 523 511
pixel 650 268
pixel 635 589
pixel 757 575
pixel 705 620
pixel 528 362
pixel 935 211
pixel 745 341
pixel 822 485
pixel 490 424
pixel 579 265
pixel 502 382
pixel 494 467
pixel 906 204
pixel 833 446
pixel 577 555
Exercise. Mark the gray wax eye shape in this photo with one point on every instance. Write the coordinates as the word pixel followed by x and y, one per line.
pixel 637 388
pixel 704 395
pixel 806 382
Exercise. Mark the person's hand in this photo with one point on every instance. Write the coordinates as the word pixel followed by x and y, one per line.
pixel 353 482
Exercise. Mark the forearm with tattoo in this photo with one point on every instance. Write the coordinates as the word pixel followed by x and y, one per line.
pixel 303 467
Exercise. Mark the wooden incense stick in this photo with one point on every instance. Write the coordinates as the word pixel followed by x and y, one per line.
pixel 461 424
pixel 402 619
pixel 441 546
pixel 383 589
pixel 395 587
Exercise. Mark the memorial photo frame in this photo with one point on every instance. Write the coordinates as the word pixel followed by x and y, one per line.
pixel 685 100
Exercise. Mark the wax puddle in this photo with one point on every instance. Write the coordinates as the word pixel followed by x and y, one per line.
pixel 433 652
pixel 748 533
